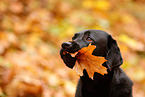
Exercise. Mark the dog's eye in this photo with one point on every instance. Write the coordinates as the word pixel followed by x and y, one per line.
pixel 73 38
pixel 89 39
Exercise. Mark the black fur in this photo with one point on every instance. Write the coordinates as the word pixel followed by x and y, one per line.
pixel 115 83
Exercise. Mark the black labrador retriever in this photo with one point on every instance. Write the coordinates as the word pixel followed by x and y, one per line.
pixel 115 83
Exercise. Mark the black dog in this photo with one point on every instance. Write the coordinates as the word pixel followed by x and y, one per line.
pixel 115 83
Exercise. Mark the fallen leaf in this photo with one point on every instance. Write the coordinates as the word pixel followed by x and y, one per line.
pixel 92 64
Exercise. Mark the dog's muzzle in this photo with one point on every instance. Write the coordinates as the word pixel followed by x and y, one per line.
pixel 71 46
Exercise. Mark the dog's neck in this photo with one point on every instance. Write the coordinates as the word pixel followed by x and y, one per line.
pixel 98 78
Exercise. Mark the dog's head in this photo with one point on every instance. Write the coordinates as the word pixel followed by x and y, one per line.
pixel 106 46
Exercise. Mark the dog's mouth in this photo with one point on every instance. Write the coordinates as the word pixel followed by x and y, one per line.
pixel 72 54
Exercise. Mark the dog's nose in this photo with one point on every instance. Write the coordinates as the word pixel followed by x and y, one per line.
pixel 66 45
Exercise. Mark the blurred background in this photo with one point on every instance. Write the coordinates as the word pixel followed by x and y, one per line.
pixel 31 32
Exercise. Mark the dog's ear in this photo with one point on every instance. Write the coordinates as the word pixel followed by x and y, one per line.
pixel 113 54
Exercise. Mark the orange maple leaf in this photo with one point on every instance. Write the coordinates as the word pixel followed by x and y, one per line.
pixel 92 64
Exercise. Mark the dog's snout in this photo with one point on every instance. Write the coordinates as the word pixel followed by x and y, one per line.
pixel 70 46
pixel 66 45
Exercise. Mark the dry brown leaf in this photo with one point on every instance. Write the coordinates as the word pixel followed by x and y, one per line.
pixel 92 64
